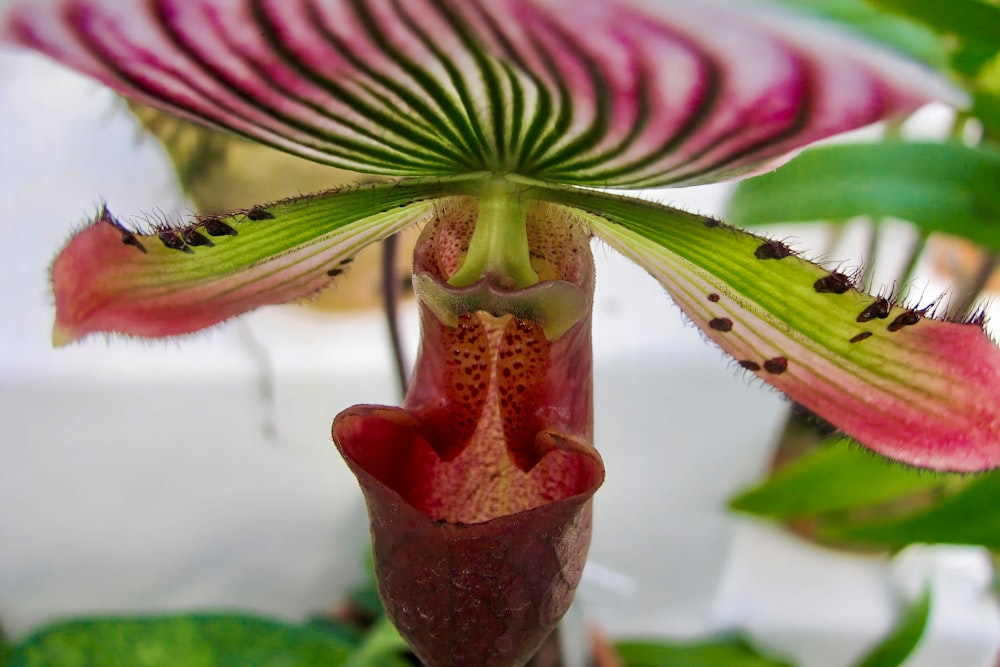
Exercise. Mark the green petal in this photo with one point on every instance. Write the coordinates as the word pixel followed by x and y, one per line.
pixel 915 389
pixel 178 279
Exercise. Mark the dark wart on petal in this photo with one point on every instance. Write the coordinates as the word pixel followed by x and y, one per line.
pixel 750 365
pixel 713 297
pixel 835 283
pixel 192 236
pixel 258 213
pixel 772 250
pixel 333 273
pixel 173 240
pixel 879 309
pixel 721 324
pixel 776 365
pixel 216 227
pixel 128 238
pixel 861 336
pixel 908 318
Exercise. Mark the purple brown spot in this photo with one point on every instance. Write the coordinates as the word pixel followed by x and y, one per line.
pixel 173 240
pixel 750 365
pixel 128 238
pixel 721 324
pixel 258 213
pixel 772 250
pixel 835 283
pixel 776 365
pixel 713 297
pixel 193 237
pixel 909 318
pixel 861 336
pixel 712 223
pixel 216 227
pixel 879 309
pixel 333 273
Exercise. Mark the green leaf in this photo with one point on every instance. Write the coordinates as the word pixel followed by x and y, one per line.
pixel 970 20
pixel 986 107
pixel 181 641
pixel 833 478
pixel 897 647
pixel 727 652
pixel 365 596
pixel 6 649
pixel 912 388
pixel 902 34
pixel 940 187
pixel 967 517
pixel 381 647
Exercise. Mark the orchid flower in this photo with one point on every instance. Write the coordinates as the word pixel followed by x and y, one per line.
pixel 500 119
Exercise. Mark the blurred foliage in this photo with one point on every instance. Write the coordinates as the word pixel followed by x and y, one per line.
pixel 897 647
pixel 904 34
pixel 967 516
pixel 973 25
pixel 358 635
pixel 944 187
pixel 737 651
pixel 843 495
pixel 182 641
pixel 725 652
pixel 5 649
pixel 835 479
pixel 220 171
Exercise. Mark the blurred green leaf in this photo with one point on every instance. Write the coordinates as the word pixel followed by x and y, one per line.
pixel 195 151
pixel 365 596
pixel 726 652
pixel 986 107
pixel 898 646
pixel 945 187
pixel 181 641
pixel 968 517
pixel 833 478
pixel 381 647
pixel 902 34
pixel 970 20
pixel 986 98
pixel 5 649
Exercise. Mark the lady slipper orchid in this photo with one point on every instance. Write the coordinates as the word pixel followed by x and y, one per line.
pixel 502 116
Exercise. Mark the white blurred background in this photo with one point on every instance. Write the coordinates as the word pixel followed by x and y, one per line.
pixel 199 474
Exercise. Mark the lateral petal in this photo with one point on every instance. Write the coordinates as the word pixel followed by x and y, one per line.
pixel 176 280
pixel 913 388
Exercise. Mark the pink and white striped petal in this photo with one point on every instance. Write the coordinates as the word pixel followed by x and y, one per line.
pixel 616 93
pixel 176 280
pixel 915 389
